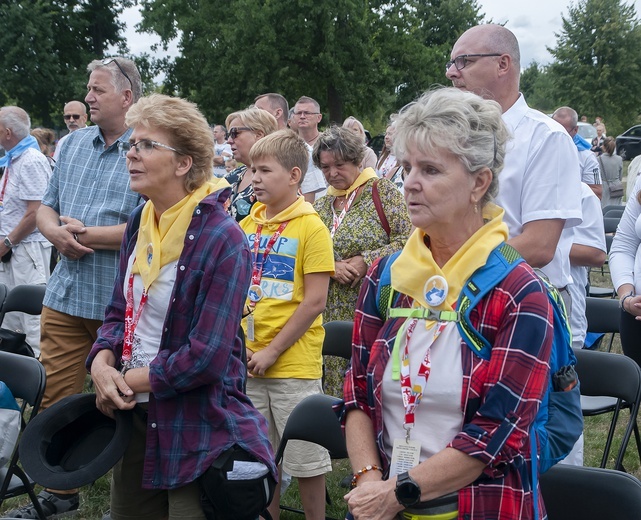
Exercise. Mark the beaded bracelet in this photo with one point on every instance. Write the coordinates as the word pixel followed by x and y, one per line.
pixel 622 301
pixel 360 472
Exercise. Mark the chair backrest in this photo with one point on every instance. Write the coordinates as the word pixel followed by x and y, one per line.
pixel 614 213
pixel 603 314
pixel 590 493
pixel 610 224
pixel 608 243
pixel 611 207
pixel 25 377
pixel 338 339
pixel 608 374
pixel 24 298
pixel 314 420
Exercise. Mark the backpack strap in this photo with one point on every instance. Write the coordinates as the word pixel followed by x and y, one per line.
pixel 502 260
pixel 376 197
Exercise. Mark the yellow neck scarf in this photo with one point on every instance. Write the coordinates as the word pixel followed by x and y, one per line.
pixel 415 265
pixel 161 242
pixel 364 176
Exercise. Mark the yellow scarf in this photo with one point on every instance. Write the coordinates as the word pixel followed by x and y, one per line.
pixel 364 176
pixel 415 265
pixel 160 242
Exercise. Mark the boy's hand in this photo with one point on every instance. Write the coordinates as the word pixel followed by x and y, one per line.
pixel 261 361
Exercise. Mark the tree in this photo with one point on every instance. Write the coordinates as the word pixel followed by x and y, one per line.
pixel 353 56
pixel 47 45
pixel 537 87
pixel 598 63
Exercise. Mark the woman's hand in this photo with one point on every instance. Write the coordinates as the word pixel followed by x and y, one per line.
pixel 344 272
pixel 112 393
pixel 357 263
pixel 373 500
pixel 633 306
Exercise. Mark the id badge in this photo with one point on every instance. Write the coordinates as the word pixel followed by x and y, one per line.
pixel 250 327
pixel 405 456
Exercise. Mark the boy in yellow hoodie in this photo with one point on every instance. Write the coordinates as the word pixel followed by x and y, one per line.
pixel 292 260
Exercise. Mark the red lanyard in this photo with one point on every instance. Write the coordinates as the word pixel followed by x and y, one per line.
pixel 131 320
pixel 413 393
pixel 339 219
pixel 255 291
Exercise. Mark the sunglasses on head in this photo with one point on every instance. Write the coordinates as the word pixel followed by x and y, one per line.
pixel 108 61
pixel 68 117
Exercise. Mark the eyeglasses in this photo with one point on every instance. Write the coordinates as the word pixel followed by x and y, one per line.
pixel 305 113
pixel 461 61
pixel 68 117
pixel 108 61
pixel 235 130
pixel 144 147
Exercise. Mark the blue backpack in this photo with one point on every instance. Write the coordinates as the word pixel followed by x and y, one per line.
pixel 559 422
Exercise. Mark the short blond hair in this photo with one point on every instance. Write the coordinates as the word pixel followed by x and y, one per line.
pixel 186 127
pixel 352 122
pixel 286 147
pixel 256 119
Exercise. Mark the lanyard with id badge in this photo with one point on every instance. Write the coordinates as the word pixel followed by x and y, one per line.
pixel 255 293
pixel 406 452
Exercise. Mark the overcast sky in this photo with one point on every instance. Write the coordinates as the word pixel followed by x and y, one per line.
pixel 534 23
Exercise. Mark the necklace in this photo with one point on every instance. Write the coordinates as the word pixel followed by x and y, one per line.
pixel 310 141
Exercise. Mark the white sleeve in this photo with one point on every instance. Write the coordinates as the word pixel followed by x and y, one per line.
pixel 625 246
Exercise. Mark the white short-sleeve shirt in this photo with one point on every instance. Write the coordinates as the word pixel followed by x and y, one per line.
pixel 540 180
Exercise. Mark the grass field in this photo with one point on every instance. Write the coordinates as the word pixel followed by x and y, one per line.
pixel 95 498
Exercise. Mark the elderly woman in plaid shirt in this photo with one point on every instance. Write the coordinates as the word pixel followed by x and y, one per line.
pixel 426 418
pixel 169 342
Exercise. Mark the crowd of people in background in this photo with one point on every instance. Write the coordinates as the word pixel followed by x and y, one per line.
pixel 195 264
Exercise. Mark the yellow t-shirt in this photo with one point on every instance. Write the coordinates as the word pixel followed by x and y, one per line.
pixel 304 247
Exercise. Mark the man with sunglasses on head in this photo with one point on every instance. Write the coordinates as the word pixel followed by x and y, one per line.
pixel 83 213
pixel 540 185
pixel 75 116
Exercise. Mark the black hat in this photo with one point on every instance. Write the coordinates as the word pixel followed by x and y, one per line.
pixel 72 443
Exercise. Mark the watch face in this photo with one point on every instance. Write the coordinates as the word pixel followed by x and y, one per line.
pixel 408 493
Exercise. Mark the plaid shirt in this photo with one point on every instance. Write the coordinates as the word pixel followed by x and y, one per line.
pixel 89 183
pixel 197 407
pixel 500 397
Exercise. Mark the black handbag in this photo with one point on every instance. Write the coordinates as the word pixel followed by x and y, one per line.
pixel 223 499
pixel 15 343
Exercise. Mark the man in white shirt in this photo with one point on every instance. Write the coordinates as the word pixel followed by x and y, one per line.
pixel 313 186
pixel 588 165
pixel 25 253
pixel 539 187
pixel 75 116
pixel 222 149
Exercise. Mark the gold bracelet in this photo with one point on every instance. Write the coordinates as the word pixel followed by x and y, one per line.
pixel 361 472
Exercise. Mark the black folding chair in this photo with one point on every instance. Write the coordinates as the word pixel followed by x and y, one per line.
pixel 603 292
pixel 25 377
pixel 614 213
pixel 610 382
pixel 603 316
pixel 614 207
pixel 23 298
pixel 610 224
pixel 576 492
pixel 338 339
pixel 314 420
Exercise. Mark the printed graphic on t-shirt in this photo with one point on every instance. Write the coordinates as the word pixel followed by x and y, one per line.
pixel 277 279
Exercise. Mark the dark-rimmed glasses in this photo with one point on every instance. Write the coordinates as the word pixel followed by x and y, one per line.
pixel 108 61
pixel 461 61
pixel 235 130
pixel 144 147
pixel 305 113
pixel 68 117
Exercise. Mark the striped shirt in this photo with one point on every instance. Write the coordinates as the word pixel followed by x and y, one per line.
pixel 89 183
pixel 500 397
pixel 197 407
